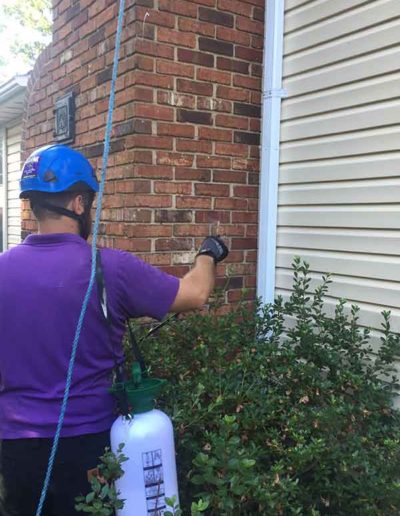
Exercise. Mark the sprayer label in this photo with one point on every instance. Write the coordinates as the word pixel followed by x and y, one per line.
pixel 154 482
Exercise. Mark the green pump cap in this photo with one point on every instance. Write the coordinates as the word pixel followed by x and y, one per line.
pixel 141 392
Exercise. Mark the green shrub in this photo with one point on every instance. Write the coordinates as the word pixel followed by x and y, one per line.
pixel 103 498
pixel 282 409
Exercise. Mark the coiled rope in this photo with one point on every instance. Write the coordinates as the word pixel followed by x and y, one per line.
pixel 85 303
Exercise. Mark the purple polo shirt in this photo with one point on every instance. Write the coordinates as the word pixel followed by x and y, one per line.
pixel 42 286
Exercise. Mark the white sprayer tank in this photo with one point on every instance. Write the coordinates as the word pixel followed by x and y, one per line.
pixel 150 471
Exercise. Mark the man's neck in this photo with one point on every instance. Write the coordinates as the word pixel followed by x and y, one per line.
pixel 58 226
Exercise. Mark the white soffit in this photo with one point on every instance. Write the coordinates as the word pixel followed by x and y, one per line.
pixel 12 95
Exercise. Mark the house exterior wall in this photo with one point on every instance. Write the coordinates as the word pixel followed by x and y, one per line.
pixel 185 147
pixel 13 160
pixel 339 202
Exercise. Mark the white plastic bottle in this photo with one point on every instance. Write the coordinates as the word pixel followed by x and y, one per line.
pixel 150 471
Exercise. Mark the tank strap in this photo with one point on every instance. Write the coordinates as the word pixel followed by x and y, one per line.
pixel 107 318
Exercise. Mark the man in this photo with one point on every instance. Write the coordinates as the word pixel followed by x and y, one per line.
pixel 42 285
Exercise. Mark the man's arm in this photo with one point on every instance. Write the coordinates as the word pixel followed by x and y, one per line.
pixel 196 286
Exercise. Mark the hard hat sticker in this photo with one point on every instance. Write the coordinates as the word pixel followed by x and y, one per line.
pixel 31 168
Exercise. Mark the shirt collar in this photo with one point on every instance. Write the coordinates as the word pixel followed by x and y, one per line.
pixel 53 238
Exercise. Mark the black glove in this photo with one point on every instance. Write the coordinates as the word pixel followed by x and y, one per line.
pixel 214 247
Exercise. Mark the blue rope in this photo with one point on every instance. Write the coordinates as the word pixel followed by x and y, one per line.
pixel 93 269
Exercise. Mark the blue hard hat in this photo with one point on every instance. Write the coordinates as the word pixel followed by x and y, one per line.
pixel 56 168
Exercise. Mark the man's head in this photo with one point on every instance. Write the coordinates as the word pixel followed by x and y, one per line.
pixel 59 182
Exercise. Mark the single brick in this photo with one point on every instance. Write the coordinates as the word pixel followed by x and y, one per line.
pixel 203 147
pixel 230 204
pixel 234 36
pixel 153 171
pixel 213 162
pixel 154 16
pixel 249 54
pixel 129 186
pixel 78 21
pixel 173 187
pixel 147 230
pixel 214 76
pixel 209 133
pixel 104 76
pixel 235 6
pixel 192 202
pixel 176 69
pixel 207 217
pixel 181 7
pixel 194 117
pixel 182 131
pixel 149 141
pixel 147 201
pixel 192 174
pixel 257 41
pixel 258 14
pixel 215 46
pixel 233 282
pixel 231 149
pixel 245 191
pixel 256 70
pixel 133 126
pixel 225 92
pixel 251 83
pixel 97 37
pixel 152 79
pixel 212 190
pixel 214 104
pixel 93 151
pixel 167 216
pixel 133 244
pixel 254 27
pixel 199 58
pixel 71 12
pixel 197 88
pixel 249 138
pixel 247 109
pixel 176 99
pixel 229 176
pixel 234 122
pixel 244 243
pixel 246 164
pixel 176 37
pixel 216 17
pixel 224 63
pixel 200 28
pixel 151 48
pixel 174 159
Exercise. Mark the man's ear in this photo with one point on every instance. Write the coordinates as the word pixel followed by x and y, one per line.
pixel 78 205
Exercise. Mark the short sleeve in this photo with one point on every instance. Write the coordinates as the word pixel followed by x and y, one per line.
pixel 145 290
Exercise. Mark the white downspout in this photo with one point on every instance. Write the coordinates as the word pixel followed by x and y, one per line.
pixel 270 138
pixel 3 143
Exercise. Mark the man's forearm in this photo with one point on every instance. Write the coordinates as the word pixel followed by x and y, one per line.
pixel 202 276
pixel 196 286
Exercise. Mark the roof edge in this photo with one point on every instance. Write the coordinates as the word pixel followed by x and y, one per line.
pixel 13 86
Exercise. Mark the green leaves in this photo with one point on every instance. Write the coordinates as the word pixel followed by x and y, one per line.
pixel 282 409
pixel 26 29
pixel 103 499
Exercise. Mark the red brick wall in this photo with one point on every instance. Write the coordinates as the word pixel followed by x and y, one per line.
pixel 185 147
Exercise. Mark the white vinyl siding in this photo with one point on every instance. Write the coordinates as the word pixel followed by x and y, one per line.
pixel 13 158
pixel 339 191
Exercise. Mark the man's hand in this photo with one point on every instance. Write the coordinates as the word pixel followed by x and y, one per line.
pixel 214 247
